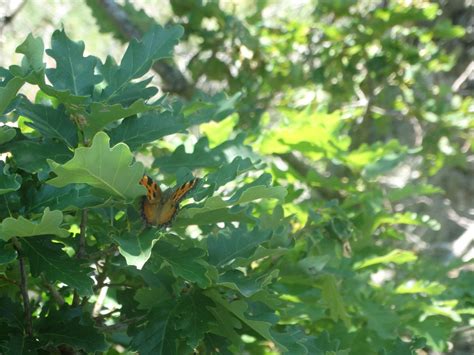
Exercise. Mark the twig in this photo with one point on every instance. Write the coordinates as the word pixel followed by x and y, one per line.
pixel 463 77
pixel 81 253
pixel 8 280
pixel 54 292
pixel 175 81
pixel 24 288
pixel 5 20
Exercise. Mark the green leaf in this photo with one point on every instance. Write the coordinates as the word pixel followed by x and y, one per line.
pixel 210 108
pixel 50 122
pixel 226 323
pixel 6 133
pixel 32 155
pixel 21 344
pixel 333 300
pixel 136 249
pixel 436 330
pixel 8 182
pixel 156 44
pixel 246 285
pixel 186 263
pixel 74 333
pixel 383 165
pixel 8 89
pixel 22 227
pixel 194 318
pixel 70 197
pixel 109 169
pixel 73 72
pixel 240 309
pixel 47 257
pixel 421 286
pixel 256 190
pixel 149 127
pixel 157 336
pixel 102 114
pixel 234 243
pixel 380 319
pixel 313 265
pixel 201 157
pixel 11 312
pixel 32 64
pixel 7 253
pixel 396 256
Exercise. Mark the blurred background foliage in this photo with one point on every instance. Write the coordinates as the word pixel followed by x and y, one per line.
pixel 363 111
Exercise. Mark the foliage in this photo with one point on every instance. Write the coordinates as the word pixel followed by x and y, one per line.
pixel 291 229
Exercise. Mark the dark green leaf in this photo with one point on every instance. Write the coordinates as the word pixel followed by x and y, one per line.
pixel 151 126
pixel 7 253
pixel 8 182
pixel 50 122
pixel 32 155
pixel 232 243
pixel 47 257
pixel 70 197
pixel 156 44
pixel 186 263
pixel 72 333
pixel 157 336
pixel 73 72
pixel 6 133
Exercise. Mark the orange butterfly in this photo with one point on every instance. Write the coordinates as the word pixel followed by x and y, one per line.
pixel 159 208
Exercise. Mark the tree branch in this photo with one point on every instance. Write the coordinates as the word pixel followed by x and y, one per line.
pixel 24 288
pixel 174 81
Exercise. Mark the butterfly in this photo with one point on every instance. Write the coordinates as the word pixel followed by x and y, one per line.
pixel 159 208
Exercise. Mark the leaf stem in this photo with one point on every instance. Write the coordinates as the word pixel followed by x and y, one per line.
pixel 24 288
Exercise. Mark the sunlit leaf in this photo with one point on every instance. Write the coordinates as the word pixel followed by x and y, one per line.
pixel 109 169
pixel 22 227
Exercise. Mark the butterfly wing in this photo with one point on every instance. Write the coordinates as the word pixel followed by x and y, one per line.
pixel 151 203
pixel 159 209
pixel 170 204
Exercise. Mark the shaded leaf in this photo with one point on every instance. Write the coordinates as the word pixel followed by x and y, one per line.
pixel 73 333
pixel 333 299
pixel 8 182
pixel 7 253
pixel 186 263
pixel 109 169
pixel 6 133
pixel 102 114
pixel 246 285
pixel 49 121
pixel 136 131
pixel 157 336
pixel 258 322
pixel 233 243
pixel 70 197
pixel 47 257
pixel 32 156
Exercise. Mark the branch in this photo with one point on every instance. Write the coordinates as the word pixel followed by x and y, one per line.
pixel 24 288
pixel 174 80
